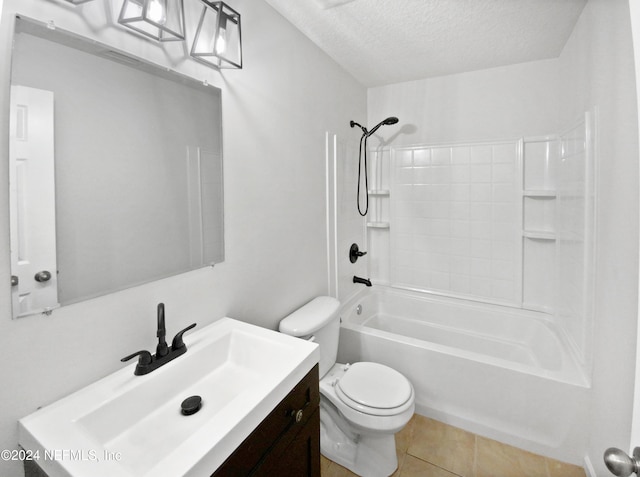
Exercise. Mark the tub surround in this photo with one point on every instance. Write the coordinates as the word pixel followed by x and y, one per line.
pixel 503 222
pixel 595 69
pixel 506 375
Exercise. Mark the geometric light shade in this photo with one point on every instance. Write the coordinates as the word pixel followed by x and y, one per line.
pixel 162 20
pixel 218 40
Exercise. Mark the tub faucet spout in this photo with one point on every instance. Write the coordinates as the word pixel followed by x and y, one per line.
pixel 364 281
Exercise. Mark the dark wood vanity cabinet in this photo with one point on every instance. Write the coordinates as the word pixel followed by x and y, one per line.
pixel 287 441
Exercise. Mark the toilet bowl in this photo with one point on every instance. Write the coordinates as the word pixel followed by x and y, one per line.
pixel 362 405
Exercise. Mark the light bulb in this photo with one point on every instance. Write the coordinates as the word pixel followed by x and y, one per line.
pixel 156 11
pixel 221 43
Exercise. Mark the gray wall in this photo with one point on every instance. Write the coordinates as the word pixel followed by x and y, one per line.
pixel 597 70
pixel 275 114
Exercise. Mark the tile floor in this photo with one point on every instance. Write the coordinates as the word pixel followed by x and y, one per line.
pixel 428 448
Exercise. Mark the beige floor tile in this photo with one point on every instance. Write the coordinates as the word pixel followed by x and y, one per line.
pixel 444 446
pixel 414 467
pixel 401 458
pixel 335 470
pixel 495 459
pixel 560 469
pixel 324 465
pixel 396 473
pixel 403 438
pixel 428 448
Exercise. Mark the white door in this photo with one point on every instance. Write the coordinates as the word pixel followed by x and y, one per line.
pixel 624 465
pixel 634 7
pixel 32 202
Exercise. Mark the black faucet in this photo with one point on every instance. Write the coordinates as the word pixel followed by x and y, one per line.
pixel 364 281
pixel 162 349
pixel 148 362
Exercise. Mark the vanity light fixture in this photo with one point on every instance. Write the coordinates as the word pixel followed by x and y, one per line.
pixel 218 40
pixel 162 20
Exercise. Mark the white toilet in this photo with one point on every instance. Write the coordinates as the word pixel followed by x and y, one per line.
pixel 362 405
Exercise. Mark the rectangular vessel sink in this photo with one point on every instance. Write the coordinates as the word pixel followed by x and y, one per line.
pixel 128 425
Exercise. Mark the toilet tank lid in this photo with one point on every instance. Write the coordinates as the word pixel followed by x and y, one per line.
pixel 310 317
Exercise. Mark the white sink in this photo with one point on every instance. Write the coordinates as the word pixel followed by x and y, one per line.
pixel 126 425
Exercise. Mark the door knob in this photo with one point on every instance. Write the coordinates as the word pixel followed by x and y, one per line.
pixel 620 464
pixel 14 280
pixel 42 276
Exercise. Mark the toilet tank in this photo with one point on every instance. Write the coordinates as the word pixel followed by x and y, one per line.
pixel 319 321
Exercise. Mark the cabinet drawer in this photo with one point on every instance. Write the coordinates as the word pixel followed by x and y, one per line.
pixel 290 415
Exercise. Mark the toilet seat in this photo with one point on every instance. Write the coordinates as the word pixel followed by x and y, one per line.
pixel 375 389
pixel 362 418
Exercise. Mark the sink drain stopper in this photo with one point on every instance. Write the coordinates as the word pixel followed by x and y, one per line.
pixel 191 405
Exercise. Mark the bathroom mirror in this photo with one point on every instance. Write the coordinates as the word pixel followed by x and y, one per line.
pixel 115 171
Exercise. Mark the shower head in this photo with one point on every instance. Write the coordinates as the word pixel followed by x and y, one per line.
pixel 385 122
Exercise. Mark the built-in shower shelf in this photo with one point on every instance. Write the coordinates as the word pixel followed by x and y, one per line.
pixel 538 235
pixel 543 194
pixel 378 225
pixel 379 192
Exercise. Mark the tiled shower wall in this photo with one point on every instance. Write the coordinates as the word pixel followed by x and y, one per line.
pixel 507 222
pixel 455 220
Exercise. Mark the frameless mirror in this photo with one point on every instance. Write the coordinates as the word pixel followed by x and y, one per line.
pixel 115 171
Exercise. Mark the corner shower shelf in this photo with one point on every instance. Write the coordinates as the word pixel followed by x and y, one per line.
pixel 538 235
pixel 378 225
pixel 379 192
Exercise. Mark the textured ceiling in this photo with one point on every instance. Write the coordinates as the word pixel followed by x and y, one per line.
pixel 389 41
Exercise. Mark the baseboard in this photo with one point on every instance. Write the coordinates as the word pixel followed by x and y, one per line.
pixel 588 467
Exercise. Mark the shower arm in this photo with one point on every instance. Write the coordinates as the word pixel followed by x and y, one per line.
pixel 364 130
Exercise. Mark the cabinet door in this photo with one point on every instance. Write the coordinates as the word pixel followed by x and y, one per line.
pixel 295 415
pixel 299 457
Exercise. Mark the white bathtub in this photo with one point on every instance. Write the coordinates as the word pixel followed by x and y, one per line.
pixel 499 372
